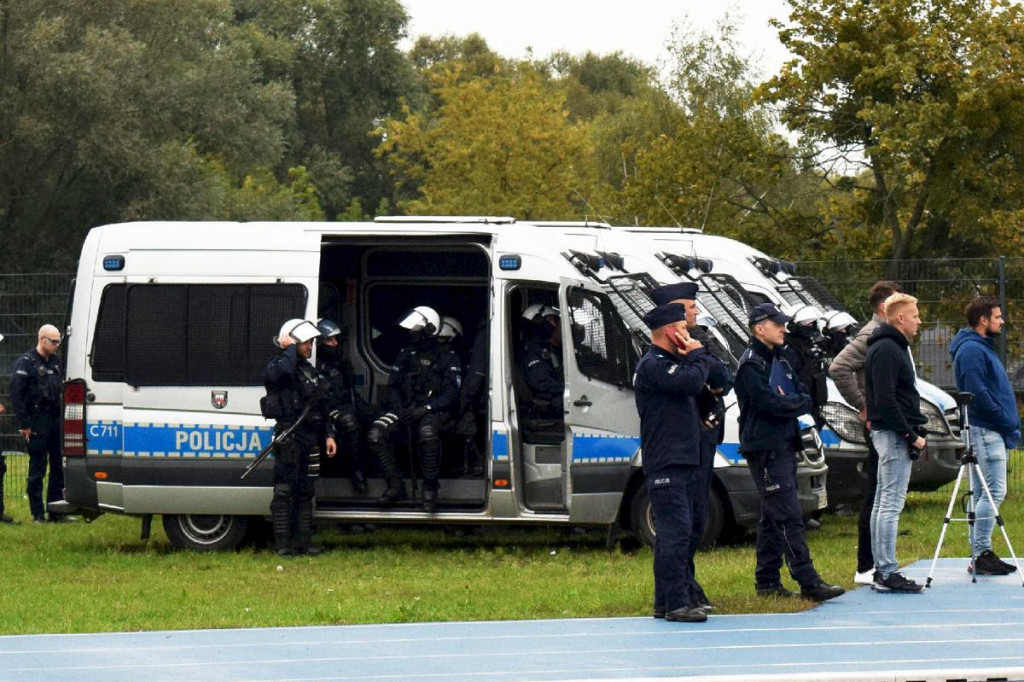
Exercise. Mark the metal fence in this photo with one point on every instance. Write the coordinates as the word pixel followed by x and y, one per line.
pixel 27 302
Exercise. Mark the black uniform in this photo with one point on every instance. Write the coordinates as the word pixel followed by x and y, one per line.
pixel 666 389
pixel 473 400
pixel 292 383
pixel 545 377
pixel 423 394
pixel 769 436
pixel 809 364
pixel 349 413
pixel 36 385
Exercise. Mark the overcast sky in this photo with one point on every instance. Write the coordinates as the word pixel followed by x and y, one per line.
pixel 639 28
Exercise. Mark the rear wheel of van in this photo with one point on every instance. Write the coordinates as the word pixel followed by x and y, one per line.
pixel 205 532
pixel 641 517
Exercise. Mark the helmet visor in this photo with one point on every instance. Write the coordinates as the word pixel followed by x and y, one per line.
pixel 305 331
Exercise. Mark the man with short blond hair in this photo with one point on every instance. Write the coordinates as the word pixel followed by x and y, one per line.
pixel 897 431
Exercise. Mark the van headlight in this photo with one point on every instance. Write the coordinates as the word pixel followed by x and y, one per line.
pixel 845 421
pixel 936 424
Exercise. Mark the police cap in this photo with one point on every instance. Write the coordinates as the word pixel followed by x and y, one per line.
pixel 672 292
pixel 767 311
pixel 666 313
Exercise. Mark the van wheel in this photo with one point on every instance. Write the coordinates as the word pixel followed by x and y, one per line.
pixel 205 532
pixel 641 517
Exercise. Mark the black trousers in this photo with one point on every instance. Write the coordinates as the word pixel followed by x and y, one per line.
pixel 865 560
pixel 43 450
pixel 780 531
pixel 671 492
pixel 699 507
pixel 293 489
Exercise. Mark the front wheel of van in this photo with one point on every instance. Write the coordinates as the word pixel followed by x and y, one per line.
pixel 205 532
pixel 641 517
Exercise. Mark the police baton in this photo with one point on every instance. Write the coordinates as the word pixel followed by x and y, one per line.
pixel 280 438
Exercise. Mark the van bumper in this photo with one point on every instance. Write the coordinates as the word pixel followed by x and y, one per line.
pixel 79 488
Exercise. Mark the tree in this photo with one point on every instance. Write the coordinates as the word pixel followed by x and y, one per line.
pixel 502 145
pixel 923 96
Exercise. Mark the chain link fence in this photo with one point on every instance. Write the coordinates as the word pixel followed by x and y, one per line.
pixel 27 302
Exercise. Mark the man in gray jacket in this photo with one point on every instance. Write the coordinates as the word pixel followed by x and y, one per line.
pixel 847 370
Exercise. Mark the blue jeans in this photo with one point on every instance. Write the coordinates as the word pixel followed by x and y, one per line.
pixel 990 449
pixel 890 495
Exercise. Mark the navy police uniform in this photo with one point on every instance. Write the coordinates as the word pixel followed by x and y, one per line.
pixel 666 388
pixel 771 398
pixel 349 412
pixel 36 386
pixel 292 383
pixel 545 377
pixel 423 394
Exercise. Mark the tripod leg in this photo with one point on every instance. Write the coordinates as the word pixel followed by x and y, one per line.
pixel 945 524
pixel 999 522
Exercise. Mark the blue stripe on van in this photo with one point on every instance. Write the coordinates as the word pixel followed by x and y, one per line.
pixel 499 445
pixel 194 440
pixel 103 437
pixel 731 451
pixel 829 438
pixel 603 449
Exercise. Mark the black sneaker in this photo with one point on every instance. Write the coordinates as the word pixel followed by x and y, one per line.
pixel 896 582
pixel 4 518
pixel 687 614
pixel 987 563
pixel 775 591
pixel 704 605
pixel 38 519
pixel 821 591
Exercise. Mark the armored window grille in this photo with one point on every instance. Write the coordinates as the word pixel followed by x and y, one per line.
pixel 190 334
pixel 601 342
pixel 816 293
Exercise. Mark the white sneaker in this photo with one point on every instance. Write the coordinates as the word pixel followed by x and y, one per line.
pixel 864 577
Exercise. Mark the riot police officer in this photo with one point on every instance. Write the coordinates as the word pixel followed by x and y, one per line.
pixel 473 400
pixel 805 353
pixel 36 385
pixel 348 410
pixel 771 398
pixel 423 392
pixel 542 361
pixel 296 391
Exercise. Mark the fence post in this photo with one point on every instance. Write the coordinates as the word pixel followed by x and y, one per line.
pixel 1002 302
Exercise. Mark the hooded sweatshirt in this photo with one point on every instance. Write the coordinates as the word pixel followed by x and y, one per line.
pixel 891 384
pixel 979 371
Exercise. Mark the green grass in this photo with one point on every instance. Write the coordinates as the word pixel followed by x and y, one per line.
pixel 100 577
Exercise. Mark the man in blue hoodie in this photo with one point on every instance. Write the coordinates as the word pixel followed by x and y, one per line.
pixel 994 422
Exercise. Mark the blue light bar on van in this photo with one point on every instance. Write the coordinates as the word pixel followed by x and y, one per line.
pixel 113 263
pixel 510 262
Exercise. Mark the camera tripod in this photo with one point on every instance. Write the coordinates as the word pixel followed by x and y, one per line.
pixel 975 475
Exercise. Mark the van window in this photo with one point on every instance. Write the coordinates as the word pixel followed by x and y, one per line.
pixel 601 341
pixel 190 334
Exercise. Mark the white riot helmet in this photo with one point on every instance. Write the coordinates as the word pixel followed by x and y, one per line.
pixel 805 315
pixel 839 320
pixel 422 318
pixel 450 328
pixel 538 311
pixel 298 330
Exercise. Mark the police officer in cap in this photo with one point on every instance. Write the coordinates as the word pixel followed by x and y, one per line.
pixel 348 410
pixel 292 385
pixel 423 392
pixel 542 361
pixel 36 387
pixel 711 404
pixel 668 379
pixel 771 398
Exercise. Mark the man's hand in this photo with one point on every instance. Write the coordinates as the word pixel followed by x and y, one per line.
pixel 864 414
pixel 686 343
pixel 918 444
pixel 286 340
pixel 25 432
pixel 332 447
pixel 411 414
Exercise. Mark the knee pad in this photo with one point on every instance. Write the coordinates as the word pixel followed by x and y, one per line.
pixel 347 422
pixel 377 436
pixel 428 430
pixel 283 492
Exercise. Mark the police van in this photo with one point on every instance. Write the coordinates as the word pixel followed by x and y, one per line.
pixel 752 277
pixel 171 324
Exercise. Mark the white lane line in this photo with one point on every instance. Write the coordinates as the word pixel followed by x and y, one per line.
pixel 491 655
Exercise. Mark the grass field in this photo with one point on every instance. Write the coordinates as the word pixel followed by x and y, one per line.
pixel 100 577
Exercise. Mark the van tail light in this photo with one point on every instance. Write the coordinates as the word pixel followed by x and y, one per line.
pixel 73 427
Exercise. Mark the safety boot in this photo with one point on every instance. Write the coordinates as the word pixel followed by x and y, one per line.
pixel 304 531
pixel 394 492
pixel 282 522
pixel 429 500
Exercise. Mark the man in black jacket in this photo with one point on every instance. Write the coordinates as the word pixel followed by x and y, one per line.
pixel 771 399
pixel 668 379
pixel 896 422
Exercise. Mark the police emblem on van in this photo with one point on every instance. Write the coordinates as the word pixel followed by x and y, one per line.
pixel 219 399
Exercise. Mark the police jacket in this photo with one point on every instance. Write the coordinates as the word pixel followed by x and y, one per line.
pixel 808 364
pixel 292 383
pixel 36 386
pixel 768 420
pixel 338 372
pixel 425 374
pixel 475 385
pixel 543 371
pixel 666 389
pixel 890 384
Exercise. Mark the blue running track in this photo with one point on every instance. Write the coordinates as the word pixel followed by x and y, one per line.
pixel 955 630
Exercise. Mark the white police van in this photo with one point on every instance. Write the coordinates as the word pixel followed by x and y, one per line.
pixel 755 277
pixel 171 325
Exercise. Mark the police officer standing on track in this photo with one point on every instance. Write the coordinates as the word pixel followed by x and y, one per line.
pixel 668 379
pixel 423 391
pixel 36 386
pixel 771 398
pixel 295 388
pixel 719 382
pixel 347 408
pixel 542 361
